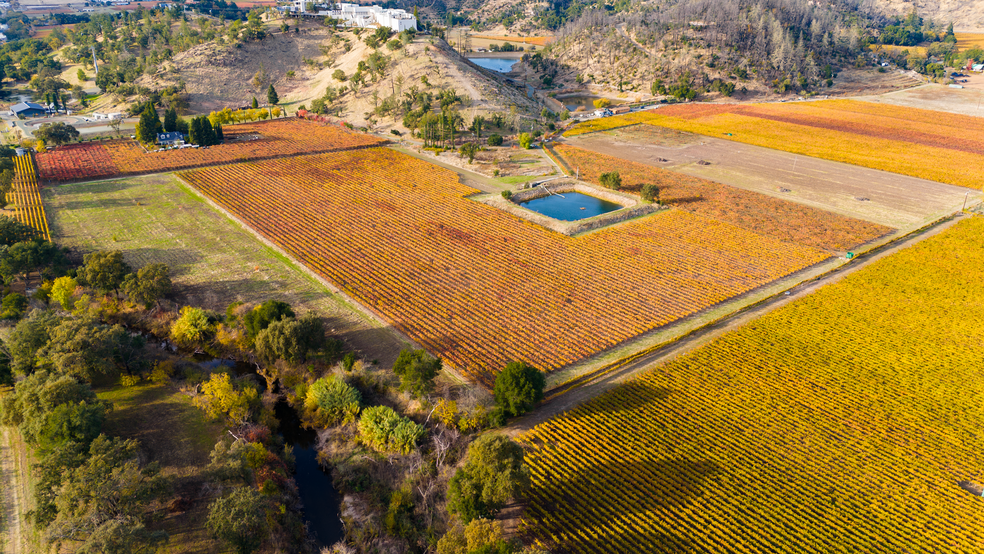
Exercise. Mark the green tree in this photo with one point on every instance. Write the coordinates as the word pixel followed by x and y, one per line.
pixel 123 537
pixel 110 486
pixel 105 270
pixel 6 367
pixel 219 136
pixel 611 180
pixel 525 140
pixel 171 120
pixel 518 388
pixel 291 340
pixel 149 125
pixel 272 97
pixel 148 285
pixel 494 472
pixel 330 401
pixel 240 519
pixel 37 397
pixel 417 371
pixel 14 306
pixel 495 140
pixel 34 255
pixel 28 337
pixel 220 397
pixel 84 347
pixel 255 104
pixel 57 133
pixel 650 192
pixel 7 185
pixel 260 317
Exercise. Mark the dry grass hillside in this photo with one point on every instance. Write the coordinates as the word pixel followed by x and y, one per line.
pixel 217 76
pixel 966 15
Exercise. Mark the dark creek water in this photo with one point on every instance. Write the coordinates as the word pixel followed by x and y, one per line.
pixel 321 501
pixel 570 206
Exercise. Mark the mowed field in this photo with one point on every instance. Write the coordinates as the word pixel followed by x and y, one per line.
pixel 848 421
pixel 889 199
pixel 213 260
pixel 246 141
pixel 481 287
pixel 920 143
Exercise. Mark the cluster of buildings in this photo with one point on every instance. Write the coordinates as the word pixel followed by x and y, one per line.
pixel 357 15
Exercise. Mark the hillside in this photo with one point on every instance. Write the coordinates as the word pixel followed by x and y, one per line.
pixel 220 75
pixel 966 15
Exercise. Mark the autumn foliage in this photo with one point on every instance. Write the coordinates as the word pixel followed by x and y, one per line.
pixel 248 141
pixel 479 287
pixel 855 408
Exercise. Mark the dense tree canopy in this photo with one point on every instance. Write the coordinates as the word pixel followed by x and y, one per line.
pixel 518 388
pixel 494 472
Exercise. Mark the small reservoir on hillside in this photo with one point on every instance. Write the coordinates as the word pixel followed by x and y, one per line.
pixel 570 206
pixel 501 65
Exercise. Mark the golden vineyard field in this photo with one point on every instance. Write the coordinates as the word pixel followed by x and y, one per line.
pixel 910 141
pixel 848 421
pixel 26 197
pixel 479 286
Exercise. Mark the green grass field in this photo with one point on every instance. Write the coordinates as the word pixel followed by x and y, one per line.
pixel 174 433
pixel 213 260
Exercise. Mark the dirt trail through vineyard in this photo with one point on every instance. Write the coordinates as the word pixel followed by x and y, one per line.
pixel 10 523
pixel 568 399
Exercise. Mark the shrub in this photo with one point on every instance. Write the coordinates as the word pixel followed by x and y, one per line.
pixel 162 372
pixel 193 327
pixel 417 371
pixel 339 75
pixel 507 194
pixel 494 472
pixel 63 291
pixel 650 192
pixel 495 140
pixel 129 380
pixel 385 430
pixel 331 401
pixel 525 140
pixel 611 180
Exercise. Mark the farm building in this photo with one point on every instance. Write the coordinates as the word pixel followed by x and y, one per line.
pixel 355 15
pixel 170 139
pixel 28 109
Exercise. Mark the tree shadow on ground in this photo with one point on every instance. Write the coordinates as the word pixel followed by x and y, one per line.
pixel 601 498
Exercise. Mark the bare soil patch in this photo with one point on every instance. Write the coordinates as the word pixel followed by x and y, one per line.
pixel 966 101
pixel 892 200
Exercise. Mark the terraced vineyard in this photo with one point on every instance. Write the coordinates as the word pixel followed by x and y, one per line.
pixel 26 196
pixel 920 143
pixel 848 421
pixel 756 212
pixel 481 287
pixel 248 141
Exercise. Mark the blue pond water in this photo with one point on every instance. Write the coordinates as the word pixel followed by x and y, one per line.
pixel 570 206
pixel 502 65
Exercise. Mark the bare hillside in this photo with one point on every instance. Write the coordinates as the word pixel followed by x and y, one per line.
pixel 218 76
pixel 966 15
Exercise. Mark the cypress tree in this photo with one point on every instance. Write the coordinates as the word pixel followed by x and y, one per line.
pixel 208 134
pixel 149 125
pixel 195 131
pixel 218 133
pixel 272 97
pixel 171 120
pixel 255 103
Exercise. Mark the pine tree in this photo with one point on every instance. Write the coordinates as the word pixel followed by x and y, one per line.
pixel 272 97
pixel 218 133
pixel 171 120
pixel 255 103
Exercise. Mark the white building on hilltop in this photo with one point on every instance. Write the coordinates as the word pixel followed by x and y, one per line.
pixel 356 15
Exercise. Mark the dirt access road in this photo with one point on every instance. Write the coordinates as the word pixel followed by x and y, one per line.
pixel 897 201
pixel 11 539
pixel 590 386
